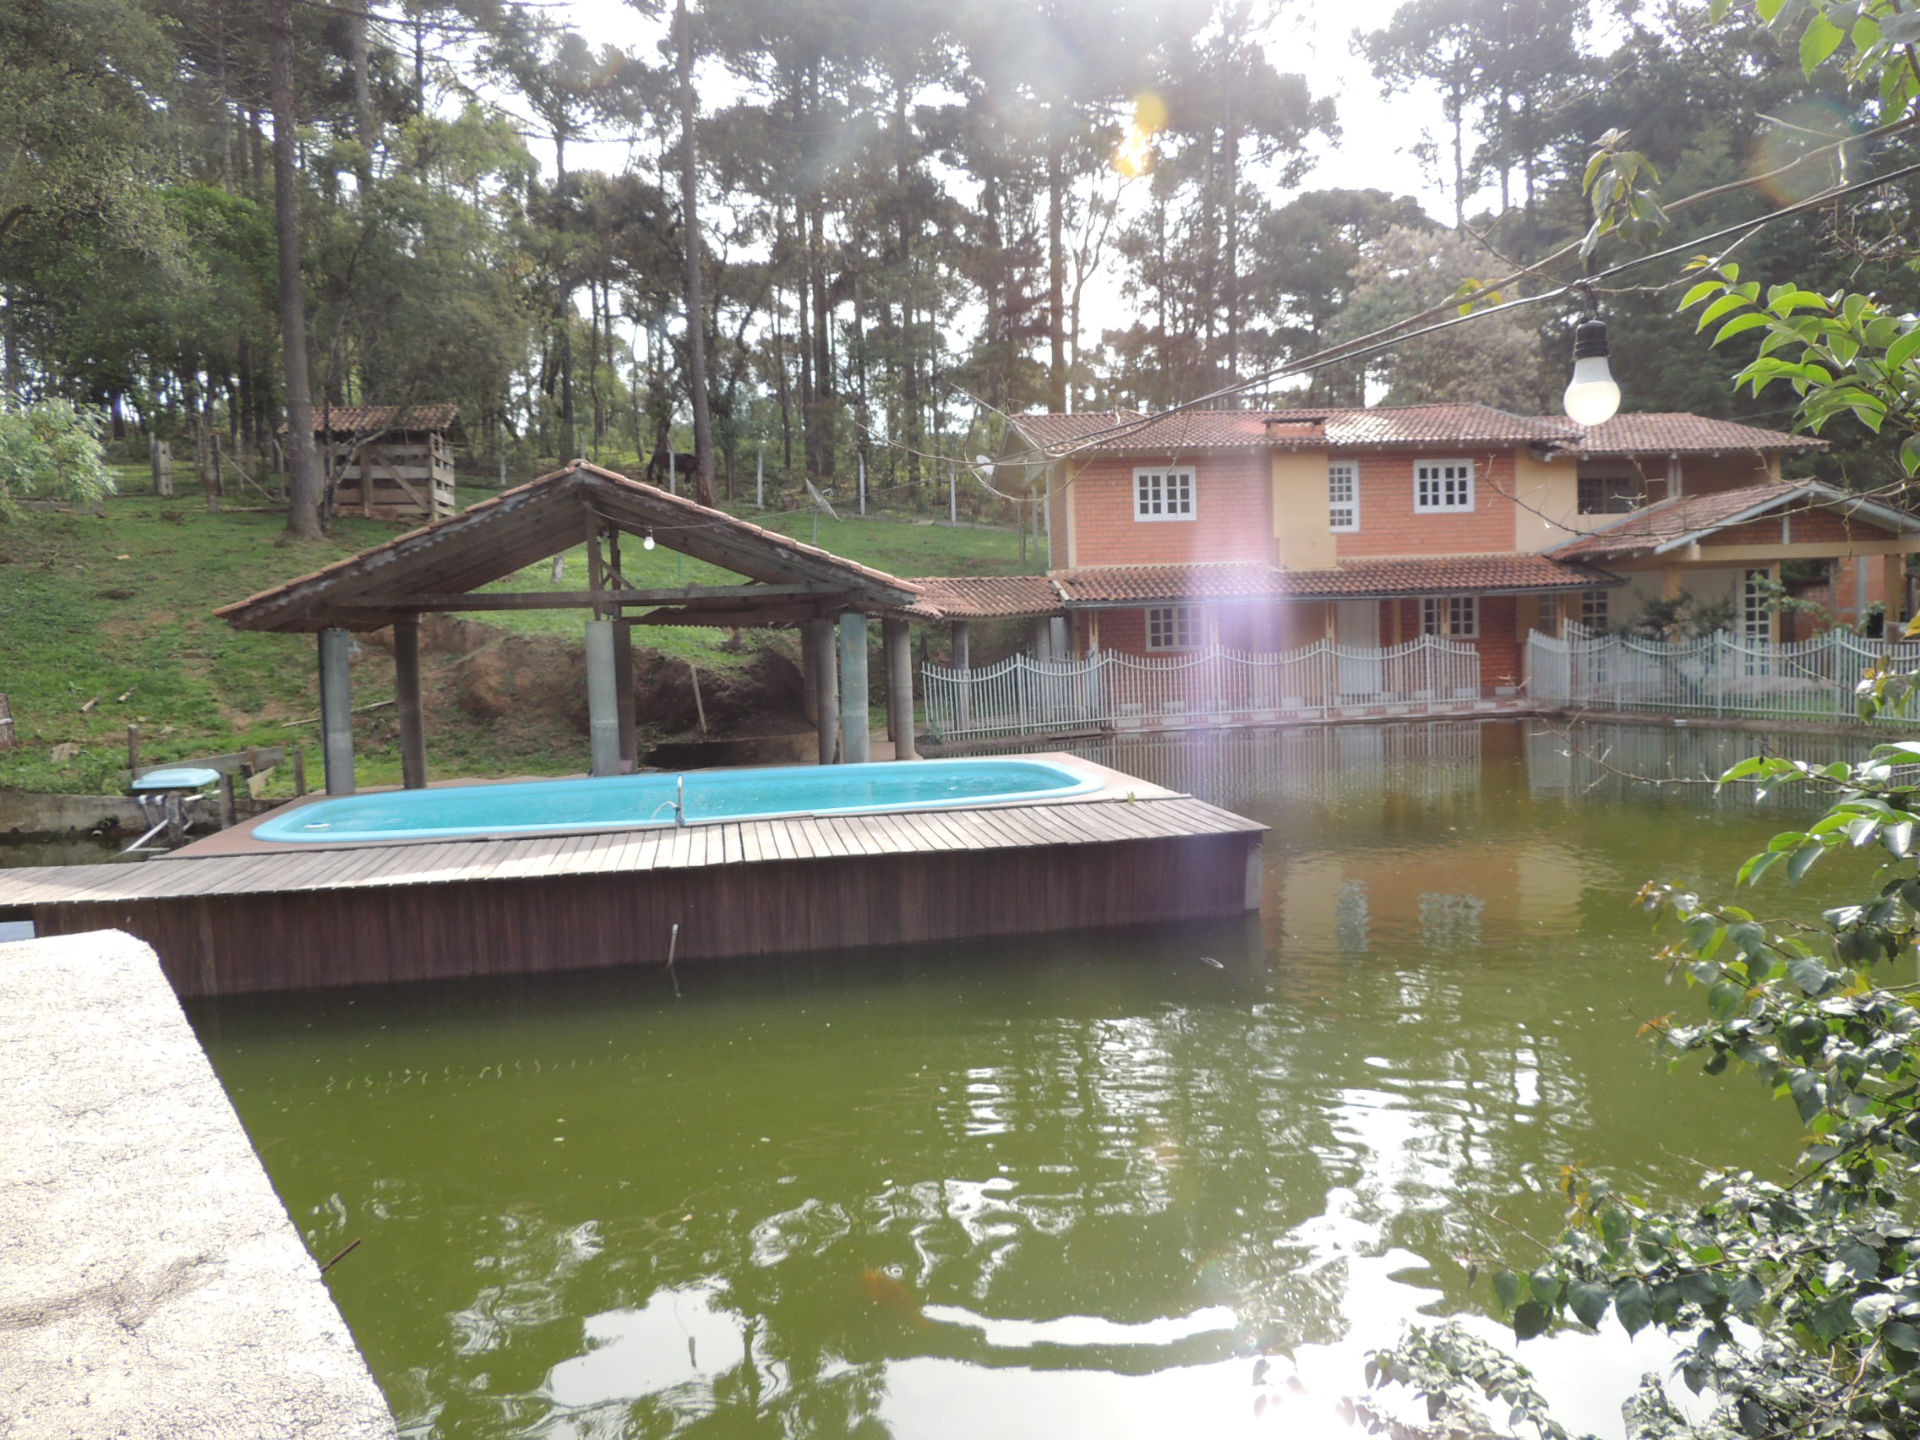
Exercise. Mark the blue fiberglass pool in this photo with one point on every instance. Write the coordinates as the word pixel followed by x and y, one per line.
pixel 626 802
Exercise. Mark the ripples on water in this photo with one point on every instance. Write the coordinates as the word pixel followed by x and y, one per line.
pixel 1071 1187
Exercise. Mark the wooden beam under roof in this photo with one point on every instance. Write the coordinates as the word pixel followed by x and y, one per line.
pixel 588 599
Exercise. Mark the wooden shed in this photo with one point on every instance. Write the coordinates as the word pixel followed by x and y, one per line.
pixel 391 462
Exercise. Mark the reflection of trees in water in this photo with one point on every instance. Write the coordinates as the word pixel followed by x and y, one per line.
pixel 1130 1167
pixel 1618 761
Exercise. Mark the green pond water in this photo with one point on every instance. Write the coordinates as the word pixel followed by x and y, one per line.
pixel 1051 1188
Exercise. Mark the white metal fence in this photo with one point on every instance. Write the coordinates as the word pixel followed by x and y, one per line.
pixel 1429 675
pixel 1717 674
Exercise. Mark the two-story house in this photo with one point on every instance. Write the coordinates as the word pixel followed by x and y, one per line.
pixel 1265 530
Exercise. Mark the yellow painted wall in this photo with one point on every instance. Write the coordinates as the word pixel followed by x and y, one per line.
pixel 1302 540
pixel 1546 497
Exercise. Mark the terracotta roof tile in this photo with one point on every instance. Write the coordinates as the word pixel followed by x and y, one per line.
pixel 1686 515
pixel 986 597
pixel 1129 431
pixel 1123 585
pixel 1116 584
pixel 1677 433
pixel 1448 574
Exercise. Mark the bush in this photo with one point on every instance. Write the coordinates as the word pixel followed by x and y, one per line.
pixel 51 450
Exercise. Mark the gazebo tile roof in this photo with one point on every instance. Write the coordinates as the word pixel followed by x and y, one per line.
pixel 497 537
pixel 986 597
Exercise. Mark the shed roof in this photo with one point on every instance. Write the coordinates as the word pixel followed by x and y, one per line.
pixel 368 419
pixel 430 567
pixel 1679 522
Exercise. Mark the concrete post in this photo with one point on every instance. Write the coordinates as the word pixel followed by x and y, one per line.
pixel 603 705
pixel 336 711
pixel 406 696
pixel 826 678
pixel 899 688
pixel 855 747
pixel 1040 635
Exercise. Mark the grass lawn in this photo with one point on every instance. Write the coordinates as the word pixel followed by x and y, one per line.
pixel 116 609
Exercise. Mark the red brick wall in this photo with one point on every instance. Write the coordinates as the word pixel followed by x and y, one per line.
pixel 1232 513
pixel 1388 525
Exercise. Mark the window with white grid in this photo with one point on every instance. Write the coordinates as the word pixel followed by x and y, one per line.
pixel 1172 627
pixel 1456 617
pixel 1163 494
pixel 1442 486
pixel 1593 609
pixel 1343 495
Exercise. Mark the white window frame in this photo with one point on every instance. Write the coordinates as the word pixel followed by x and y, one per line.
pixel 1451 617
pixel 1450 483
pixel 1594 610
pixel 1166 492
pixel 1173 627
pixel 1343 496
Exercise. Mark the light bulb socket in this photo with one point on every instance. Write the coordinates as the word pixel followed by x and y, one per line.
pixel 1590 340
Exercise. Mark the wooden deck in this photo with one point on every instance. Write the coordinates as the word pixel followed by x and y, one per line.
pixel 370 913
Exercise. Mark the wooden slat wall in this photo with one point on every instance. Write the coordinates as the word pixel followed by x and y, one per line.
pixel 261 941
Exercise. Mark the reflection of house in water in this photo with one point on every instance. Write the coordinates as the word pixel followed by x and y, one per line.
pixel 1435 895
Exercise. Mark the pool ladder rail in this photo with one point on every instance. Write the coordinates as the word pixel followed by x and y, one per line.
pixel 678 804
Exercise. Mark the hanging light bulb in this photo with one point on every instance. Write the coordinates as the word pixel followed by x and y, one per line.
pixel 1592 397
pixel 647 544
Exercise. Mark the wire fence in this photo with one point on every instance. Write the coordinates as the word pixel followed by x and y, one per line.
pixel 1720 674
pixel 1427 676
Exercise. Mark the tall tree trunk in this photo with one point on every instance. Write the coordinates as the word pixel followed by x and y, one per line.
pixel 823 378
pixel 563 309
pixel 303 476
pixel 690 226
pixel 363 130
pixel 909 356
pixel 1056 275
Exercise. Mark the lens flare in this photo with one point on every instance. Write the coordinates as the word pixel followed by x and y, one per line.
pixel 1797 128
pixel 1135 154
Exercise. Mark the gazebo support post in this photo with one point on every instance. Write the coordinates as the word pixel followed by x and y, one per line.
pixel 336 711
pixel 406 699
pixel 623 695
pixel 855 741
pixel 603 707
pixel 810 673
pixel 899 687
pixel 826 676
pixel 963 663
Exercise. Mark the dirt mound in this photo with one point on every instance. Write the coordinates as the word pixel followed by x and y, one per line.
pixel 520 688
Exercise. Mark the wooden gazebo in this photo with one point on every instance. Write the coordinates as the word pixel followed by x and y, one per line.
pixel 439 567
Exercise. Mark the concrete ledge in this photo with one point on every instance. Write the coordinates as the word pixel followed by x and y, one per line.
pixel 151 1283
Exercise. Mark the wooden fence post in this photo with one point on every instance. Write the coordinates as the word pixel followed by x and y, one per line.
pixel 7 737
